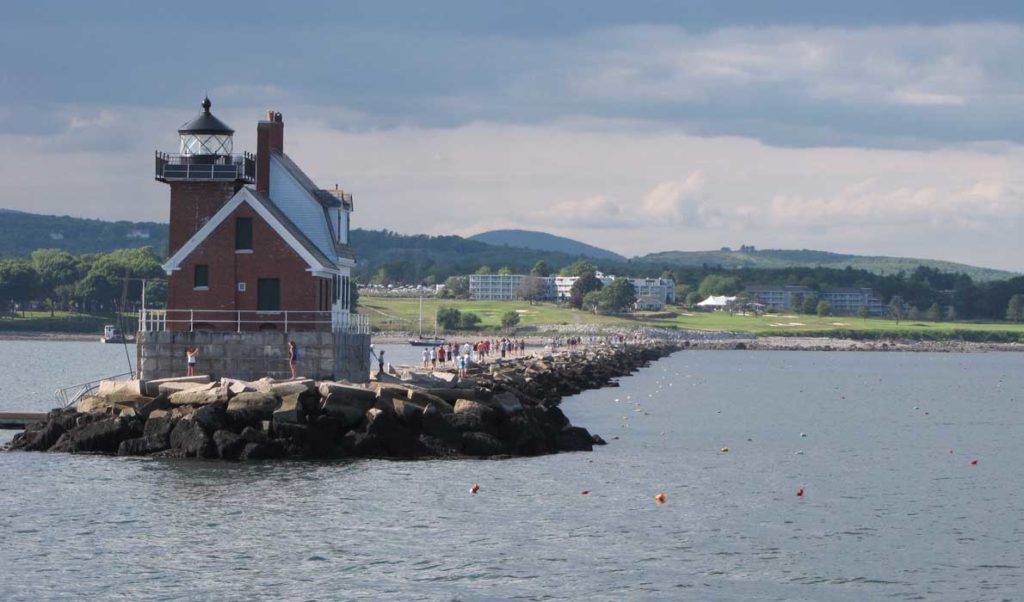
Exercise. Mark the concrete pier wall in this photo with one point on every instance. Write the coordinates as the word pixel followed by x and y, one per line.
pixel 253 355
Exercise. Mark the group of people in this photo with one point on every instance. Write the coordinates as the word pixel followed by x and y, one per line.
pixel 463 356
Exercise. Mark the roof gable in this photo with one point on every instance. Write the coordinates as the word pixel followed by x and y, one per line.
pixel 281 224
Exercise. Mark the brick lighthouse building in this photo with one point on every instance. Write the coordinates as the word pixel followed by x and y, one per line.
pixel 258 256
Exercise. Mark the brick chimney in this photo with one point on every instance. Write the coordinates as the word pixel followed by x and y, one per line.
pixel 269 137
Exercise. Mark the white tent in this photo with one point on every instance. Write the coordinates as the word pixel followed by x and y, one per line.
pixel 714 302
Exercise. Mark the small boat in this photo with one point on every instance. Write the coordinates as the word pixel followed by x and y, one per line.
pixel 112 335
pixel 422 341
pixel 426 342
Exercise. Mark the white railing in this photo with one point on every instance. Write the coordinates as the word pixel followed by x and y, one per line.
pixel 68 396
pixel 155 320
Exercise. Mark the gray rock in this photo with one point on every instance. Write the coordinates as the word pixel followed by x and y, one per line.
pixel 482 444
pixel 259 405
pixel 229 445
pixel 103 436
pixel 190 438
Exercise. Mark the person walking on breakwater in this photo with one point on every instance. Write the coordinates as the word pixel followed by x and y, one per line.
pixel 293 356
pixel 190 360
pixel 426 358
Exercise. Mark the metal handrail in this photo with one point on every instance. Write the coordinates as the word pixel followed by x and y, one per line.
pixel 159 319
pixel 65 399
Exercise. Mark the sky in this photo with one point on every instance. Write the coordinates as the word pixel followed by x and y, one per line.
pixel 875 128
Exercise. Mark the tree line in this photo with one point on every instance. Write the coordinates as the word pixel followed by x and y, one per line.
pixel 56 280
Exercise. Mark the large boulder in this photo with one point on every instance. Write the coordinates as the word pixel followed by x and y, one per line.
pixel 251 409
pixel 101 436
pixel 190 439
pixel 435 422
pixel 297 408
pixel 472 415
pixel 160 402
pixel 229 445
pixel 482 444
pixel 166 386
pixel 262 451
pixel 199 395
pixel 364 445
pixel 506 403
pixel 328 388
pixel 143 446
pixel 40 438
pixel 212 417
pixel 442 448
pixel 575 438
pixel 346 406
pixel 422 399
pixel 394 437
pixel 323 437
pixel 285 388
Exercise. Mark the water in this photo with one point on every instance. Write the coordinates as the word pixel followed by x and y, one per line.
pixel 893 508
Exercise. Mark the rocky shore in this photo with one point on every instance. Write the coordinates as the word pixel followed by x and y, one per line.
pixel 506 408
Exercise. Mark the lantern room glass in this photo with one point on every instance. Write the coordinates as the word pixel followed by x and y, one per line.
pixel 206 144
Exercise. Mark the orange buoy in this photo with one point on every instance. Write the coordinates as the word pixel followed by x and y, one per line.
pixel 660 498
pixel 474 488
pixel 800 492
pixel 585 492
pixel 974 462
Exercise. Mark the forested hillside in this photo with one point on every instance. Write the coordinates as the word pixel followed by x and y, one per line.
pixel 21 233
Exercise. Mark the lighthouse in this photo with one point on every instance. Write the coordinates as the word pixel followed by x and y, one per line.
pixel 258 255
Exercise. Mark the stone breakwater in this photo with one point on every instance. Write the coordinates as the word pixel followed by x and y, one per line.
pixel 507 408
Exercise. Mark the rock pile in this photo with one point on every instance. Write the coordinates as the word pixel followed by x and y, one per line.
pixel 508 408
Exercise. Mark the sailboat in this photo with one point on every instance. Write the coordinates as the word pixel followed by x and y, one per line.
pixel 422 341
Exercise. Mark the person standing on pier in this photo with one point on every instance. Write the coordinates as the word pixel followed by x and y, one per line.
pixel 293 356
pixel 190 358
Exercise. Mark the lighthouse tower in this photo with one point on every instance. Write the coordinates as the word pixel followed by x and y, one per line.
pixel 203 176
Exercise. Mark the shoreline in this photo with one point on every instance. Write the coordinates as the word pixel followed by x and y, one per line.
pixel 706 340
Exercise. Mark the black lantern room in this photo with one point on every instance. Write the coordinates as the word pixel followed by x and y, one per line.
pixel 205 135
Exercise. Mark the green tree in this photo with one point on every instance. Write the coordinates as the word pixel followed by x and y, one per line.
pixel 581 287
pixel 578 268
pixel 896 309
pixel 118 272
pixel 934 313
pixel 823 308
pixel 18 281
pixel 449 318
pixel 353 294
pixel 717 284
pixel 510 319
pixel 484 269
pixel 57 270
pixel 810 305
pixel 863 312
pixel 692 298
pixel 618 296
pixel 505 271
pixel 591 301
pixel 541 269
pixel 469 321
pixel 532 289
pixel 1015 309
pixel 457 286
pixel 951 314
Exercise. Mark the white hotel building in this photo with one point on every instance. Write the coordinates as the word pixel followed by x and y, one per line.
pixel 507 287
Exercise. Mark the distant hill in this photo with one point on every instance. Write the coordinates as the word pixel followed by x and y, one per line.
pixel 21 233
pixel 778 258
pixel 542 241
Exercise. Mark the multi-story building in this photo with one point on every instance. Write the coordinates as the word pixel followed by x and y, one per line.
pixel 848 301
pixel 506 287
pixel 845 301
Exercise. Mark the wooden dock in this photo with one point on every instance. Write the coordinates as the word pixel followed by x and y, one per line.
pixel 19 420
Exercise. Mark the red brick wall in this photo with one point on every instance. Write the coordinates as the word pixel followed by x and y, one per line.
pixel 192 204
pixel 271 257
pixel 269 136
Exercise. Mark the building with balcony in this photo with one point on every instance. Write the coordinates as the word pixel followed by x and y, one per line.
pixel 844 301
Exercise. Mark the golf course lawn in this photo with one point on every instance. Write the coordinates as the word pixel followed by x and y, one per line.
pixel 387 313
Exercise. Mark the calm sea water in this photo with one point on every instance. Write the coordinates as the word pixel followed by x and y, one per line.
pixel 892 509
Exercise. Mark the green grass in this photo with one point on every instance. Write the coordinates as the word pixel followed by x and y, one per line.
pixel 401 314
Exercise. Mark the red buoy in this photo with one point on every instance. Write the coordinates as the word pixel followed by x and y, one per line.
pixel 974 462
pixel 800 492
pixel 585 492
pixel 660 498
pixel 474 488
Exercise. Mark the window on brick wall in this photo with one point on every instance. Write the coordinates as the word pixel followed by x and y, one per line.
pixel 201 276
pixel 243 234
pixel 268 294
